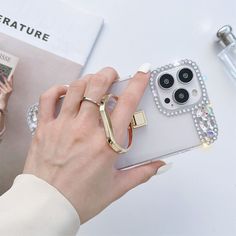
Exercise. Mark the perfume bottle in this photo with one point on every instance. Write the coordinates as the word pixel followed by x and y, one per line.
pixel 228 55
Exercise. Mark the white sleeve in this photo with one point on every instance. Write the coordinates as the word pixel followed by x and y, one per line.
pixel 32 207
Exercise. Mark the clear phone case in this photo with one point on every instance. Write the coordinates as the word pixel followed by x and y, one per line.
pixel 177 112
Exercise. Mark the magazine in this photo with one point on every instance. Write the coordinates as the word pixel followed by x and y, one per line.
pixel 53 42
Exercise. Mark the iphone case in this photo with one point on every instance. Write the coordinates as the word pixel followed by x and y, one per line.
pixel 170 128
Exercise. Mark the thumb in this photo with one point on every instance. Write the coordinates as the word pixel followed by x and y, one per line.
pixel 129 179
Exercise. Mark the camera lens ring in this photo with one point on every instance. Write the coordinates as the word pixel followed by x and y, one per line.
pixel 166 81
pixel 181 96
pixel 185 75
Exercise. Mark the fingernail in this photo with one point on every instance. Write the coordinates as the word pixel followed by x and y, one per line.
pixel 66 85
pixel 164 169
pixel 145 68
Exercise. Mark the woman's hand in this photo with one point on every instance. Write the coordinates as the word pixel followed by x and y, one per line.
pixel 6 89
pixel 70 151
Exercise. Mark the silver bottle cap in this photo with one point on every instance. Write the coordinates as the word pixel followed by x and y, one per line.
pixel 226 36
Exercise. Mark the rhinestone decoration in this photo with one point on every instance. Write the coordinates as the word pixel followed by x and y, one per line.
pixel 205 124
pixel 202 112
pixel 32 117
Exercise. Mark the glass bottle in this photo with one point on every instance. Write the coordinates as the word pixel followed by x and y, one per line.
pixel 228 53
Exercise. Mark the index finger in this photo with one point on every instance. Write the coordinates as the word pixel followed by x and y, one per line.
pixel 130 98
pixel 7 83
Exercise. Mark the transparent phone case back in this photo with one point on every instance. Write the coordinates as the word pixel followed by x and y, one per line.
pixel 172 127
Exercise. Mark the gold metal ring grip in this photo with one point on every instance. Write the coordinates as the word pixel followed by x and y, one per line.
pixel 108 126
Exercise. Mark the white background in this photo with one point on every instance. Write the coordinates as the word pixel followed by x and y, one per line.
pixel 198 195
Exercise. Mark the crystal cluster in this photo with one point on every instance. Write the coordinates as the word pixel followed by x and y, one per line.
pixel 205 123
pixel 32 117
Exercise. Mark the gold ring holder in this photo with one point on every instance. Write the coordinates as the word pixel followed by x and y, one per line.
pixel 108 126
pixel 138 121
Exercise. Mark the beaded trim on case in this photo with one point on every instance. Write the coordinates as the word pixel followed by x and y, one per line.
pixel 202 112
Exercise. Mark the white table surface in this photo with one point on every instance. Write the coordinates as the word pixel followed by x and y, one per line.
pixel 198 195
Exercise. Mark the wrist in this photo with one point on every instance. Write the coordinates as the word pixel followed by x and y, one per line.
pixel 3 103
pixel 3 111
pixel 3 107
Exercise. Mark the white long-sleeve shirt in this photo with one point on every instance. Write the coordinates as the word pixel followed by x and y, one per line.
pixel 32 207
